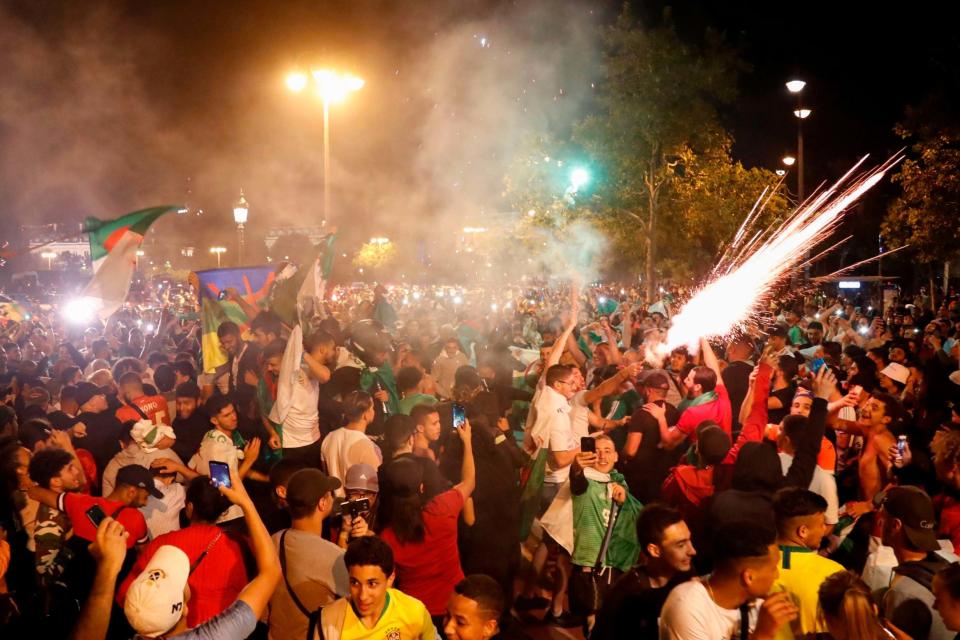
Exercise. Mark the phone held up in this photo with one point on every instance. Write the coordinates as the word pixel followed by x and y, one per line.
pixel 459 415
pixel 220 474
pixel 588 445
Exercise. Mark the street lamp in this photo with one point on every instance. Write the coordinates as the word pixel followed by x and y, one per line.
pixel 578 178
pixel 218 251
pixel 796 87
pixel 240 210
pixel 789 161
pixel 781 172
pixel 380 240
pixel 140 254
pixel 332 87
pixel 49 255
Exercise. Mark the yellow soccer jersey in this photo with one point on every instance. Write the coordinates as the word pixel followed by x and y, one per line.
pixel 404 618
pixel 802 571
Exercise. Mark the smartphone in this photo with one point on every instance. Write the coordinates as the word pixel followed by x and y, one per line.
pixel 96 515
pixel 220 474
pixel 588 445
pixel 459 415
pixel 816 365
pixel 354 508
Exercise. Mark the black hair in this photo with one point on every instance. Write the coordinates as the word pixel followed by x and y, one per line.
pixel 356 404
pixel 833 350
pixel 788 366
pixel 68 374
pixel 208 503
pixel 124 365
pixel 950 576
pixel 267 322
pixel 164 378
pixel 486 592
pixel 125 432
pixel 317 338
pixel 734 541
pixel 155 358
pixel 892 407
pixel 184 368
pixel 653 521
pixel 408 378
pixel 216 404
pixel 99 345
pixel 68 392
pixel 228 328
pixel 793 427
pixel 272 350
pixel 796 502
pixel 47 465
pixel 33 431
pixel 188 389
pixel 370 551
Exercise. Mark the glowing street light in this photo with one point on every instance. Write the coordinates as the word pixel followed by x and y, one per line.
pixel 241 209
pixel 380 240
pixel 781 172
pixel 50 256
pixel 219 251
pixel 803 114
pixel 789 160
pixel 796 86
pixel 332 87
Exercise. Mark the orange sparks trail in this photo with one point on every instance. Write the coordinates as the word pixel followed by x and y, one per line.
pixel 748 272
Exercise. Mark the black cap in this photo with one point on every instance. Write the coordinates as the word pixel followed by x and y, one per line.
pixel 136 475
pixel 307 486
pixel 86 391
pixel 914 508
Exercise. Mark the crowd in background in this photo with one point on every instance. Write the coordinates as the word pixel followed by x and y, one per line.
pixel 440 462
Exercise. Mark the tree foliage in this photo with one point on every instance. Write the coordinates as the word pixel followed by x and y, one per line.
pixel 925 215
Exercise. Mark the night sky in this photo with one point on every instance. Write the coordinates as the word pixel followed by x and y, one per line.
pixel 109 106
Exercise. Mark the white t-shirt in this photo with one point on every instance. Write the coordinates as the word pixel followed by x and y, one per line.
pixel 561 439
pixel 823 484
pixel 301 426
pixel 579 415
pixel 691 614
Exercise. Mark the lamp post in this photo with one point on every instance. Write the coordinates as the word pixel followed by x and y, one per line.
pixel 140 254
pixel 218 251
pixel 240 210
pixel 796 87
pixel 332 87
pixel 49 255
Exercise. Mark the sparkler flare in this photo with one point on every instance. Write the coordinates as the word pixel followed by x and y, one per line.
pixel 748 272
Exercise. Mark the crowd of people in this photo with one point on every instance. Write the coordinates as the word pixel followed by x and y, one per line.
pixel 413 466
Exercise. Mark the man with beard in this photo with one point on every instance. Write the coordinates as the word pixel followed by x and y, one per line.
pixel 100 426
pixel 191 423
pixel 707 400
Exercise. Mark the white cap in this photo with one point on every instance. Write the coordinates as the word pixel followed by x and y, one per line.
pixel 154 602
pixel 896 372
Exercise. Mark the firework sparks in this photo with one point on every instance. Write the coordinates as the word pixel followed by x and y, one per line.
pixel 741 284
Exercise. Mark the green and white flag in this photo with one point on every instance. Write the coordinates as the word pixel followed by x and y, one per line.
pixel 113 250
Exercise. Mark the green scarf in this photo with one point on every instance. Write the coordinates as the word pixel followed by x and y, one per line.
pixel 703 398
pixel 383 375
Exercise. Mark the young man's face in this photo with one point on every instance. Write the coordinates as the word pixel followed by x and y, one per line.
pixel 272 365
pixel 873 413
pixel 465 621
pixel 565 387
pixel 368 588
pixel 676 549
pixel 226 419
pixel 693 389
pixel 431 426
pixel 816 529
pixel 801 406
pixel 69 478
pixel 677 362
pixel 451 348
pixel 606 455
pixel 186 407
pixel 263 338
pixel 230 344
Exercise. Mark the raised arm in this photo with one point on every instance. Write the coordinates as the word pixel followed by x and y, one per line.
pixel 611 384
pixel 710 359
pixel 468 472
pixel 110 549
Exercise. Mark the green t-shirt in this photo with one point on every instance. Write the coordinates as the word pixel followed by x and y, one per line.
pixel 591 513
pixel 407 404
pixel 616 407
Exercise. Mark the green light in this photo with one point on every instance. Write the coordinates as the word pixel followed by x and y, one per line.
pixel 579 177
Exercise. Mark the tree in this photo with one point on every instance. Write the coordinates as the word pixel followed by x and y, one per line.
pixel 658 152
pixel 925 214
pixel 374 256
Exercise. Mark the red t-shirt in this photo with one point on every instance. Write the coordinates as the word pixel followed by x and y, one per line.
pixel 429 570
pixel 89 469
pixel 215 583
pixel 718 411
pixel 154 407
pixel 76 504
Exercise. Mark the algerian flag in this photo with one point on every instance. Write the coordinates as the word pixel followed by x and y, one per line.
pixel 113 250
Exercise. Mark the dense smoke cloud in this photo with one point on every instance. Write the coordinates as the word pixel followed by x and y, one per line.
pixel 103 111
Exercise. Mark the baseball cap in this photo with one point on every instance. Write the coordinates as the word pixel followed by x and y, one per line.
pixel 136 475
pixel 86 391
pixel 713 443
pixel 896 372
pixel 154 602
pixel 362 477
pixel 914 508
pixel 307 486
